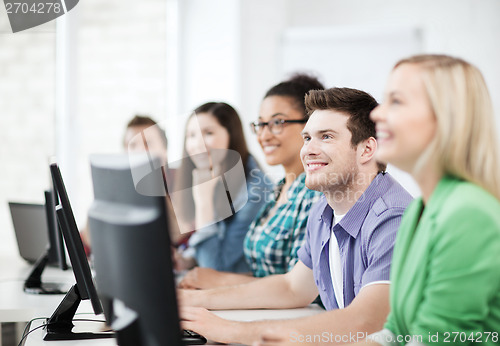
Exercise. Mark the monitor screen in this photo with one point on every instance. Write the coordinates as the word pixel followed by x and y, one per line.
pixel 131 247
pixel 59 325
pixel 38 235
pixel 30 227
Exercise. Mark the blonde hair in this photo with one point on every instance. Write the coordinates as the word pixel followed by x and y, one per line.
pixel 465 143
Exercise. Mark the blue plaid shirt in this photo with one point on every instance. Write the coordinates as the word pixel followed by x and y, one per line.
pixel 272 242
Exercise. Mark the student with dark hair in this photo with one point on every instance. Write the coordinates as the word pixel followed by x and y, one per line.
pixel 144 121
pixel 278 231
pixel 143 134
pixel 347 252
pixel 156 138
pixel 209 184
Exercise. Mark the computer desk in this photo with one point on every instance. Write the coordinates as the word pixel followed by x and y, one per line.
pixel 13 273
pixel 17 306
pixel 35 338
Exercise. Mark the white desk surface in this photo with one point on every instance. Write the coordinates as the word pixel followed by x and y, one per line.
pixel 36 337
pixel 13 267
pixel 17 269
pixel 17 306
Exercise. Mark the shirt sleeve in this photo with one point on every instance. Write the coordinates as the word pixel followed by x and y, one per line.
pixel 304 253
pixel 298 239
pixel 380 245
pixel 301 247
pixel 463 276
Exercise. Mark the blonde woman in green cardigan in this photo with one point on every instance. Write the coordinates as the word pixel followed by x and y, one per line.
pixel 436 122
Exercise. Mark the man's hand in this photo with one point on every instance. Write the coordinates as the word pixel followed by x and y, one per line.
pixel 209 325
pixel 200 278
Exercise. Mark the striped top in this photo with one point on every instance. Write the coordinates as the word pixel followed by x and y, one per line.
pixel 273 240
pixel 365 236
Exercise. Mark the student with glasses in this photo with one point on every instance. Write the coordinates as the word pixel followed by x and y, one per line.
pixel 275 125
pixel 277 232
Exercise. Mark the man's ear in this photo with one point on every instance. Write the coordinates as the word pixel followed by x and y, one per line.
pixel 366 150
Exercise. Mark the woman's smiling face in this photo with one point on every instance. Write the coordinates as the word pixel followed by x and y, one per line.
pixel 405 121
pixel 283 148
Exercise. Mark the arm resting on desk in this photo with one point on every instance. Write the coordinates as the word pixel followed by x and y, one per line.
pixel 205 278
pixel 366 314
pixel 291 290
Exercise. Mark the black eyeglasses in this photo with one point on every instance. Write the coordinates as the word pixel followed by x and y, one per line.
pixel 275 126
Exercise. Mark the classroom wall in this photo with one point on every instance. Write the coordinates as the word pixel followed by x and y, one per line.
pixel 121 71
pixel 118 68
pixel 27 103
pixel 466 28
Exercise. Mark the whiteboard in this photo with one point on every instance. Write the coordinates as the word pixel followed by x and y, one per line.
pixel 358 57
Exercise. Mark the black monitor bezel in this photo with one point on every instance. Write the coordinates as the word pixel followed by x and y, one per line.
pixel 59 326
pixel 56 251
pixel 74 245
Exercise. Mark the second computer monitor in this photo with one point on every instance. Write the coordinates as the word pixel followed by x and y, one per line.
pixel 131 247
pixel 59 326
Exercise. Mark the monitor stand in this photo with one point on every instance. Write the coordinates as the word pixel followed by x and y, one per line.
pixel 34 285
pixel 60 324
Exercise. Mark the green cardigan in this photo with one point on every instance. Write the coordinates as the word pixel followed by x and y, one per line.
pixel 445 275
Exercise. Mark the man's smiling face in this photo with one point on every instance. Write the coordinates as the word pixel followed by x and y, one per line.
pixel 329 159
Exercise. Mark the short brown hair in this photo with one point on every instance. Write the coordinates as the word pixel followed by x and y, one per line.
pixel 143 121
pixel 355 104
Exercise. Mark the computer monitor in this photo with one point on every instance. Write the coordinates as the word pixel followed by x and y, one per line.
pixel 60 324
pixel 54 252
pixel 30 227
pixel 132 257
